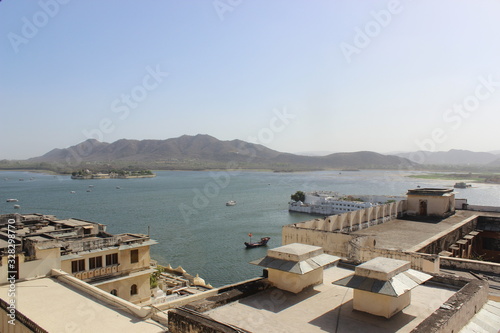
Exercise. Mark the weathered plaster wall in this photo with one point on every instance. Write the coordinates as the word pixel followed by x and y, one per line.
pixel 436 205
pixel 294 283
pixel 470 265
pixel 332 242
pixel 419 261
pixel 459 309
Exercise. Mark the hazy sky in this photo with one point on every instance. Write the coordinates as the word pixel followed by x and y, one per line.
pixel 292 75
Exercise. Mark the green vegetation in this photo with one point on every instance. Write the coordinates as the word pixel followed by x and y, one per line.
pixel 298 196
pixel 351 198
pixel 153 278
pixel 113 173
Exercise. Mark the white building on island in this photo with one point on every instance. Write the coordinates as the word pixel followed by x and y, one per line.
pixel 331 203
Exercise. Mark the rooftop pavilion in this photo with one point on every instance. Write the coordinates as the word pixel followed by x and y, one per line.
pixel 382 286
pixel 294 267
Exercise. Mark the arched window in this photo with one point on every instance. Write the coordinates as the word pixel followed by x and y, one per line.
pixel 133 289
pixel 114 292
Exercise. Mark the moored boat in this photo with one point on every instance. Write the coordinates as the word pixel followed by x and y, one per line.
pixel 12 200
pixel 231 203
pixel 461 185
pixel 263 242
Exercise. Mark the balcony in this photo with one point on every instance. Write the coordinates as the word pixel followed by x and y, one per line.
pixel 97 272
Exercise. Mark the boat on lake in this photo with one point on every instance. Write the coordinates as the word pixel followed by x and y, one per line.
pixel 12 200
pixel 231 203
pixel 462 185
pixel 263 242
pixel 17 206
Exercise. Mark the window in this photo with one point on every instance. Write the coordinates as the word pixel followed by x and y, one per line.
pixel 114 292
pixel 111 259
pixel 133 290
pixel 134 256
pixel 95 262
pixel 77 265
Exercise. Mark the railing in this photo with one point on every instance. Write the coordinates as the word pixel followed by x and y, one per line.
pixel 97 272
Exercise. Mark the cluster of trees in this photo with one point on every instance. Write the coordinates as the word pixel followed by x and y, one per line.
pixel 120 172
pixel 298 196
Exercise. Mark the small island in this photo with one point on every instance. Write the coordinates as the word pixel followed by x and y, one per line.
pixel 118 174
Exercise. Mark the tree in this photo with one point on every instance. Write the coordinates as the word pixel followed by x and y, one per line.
pixel 298 196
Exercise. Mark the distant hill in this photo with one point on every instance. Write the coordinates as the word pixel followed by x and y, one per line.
pixel 206 152
pixel 451 157
pixel 495 163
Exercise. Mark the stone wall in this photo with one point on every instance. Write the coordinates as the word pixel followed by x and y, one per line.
pixel 483 208
pixel 334 243
pixel 419 261
pixel 182 320
pixel 457 311
pixel 470 265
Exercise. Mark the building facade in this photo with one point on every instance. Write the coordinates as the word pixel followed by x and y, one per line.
pixel 32 245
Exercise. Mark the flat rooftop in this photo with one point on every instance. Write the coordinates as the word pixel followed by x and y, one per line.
pixel 403 234
pixel 325 308
pixel 72 310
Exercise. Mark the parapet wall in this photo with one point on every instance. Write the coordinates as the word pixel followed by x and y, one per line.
pixel 183 320
pixel 356 220
pixel 479 208
pixel 456 312
pixel 334 243
pixel 420 261
pixel 470 265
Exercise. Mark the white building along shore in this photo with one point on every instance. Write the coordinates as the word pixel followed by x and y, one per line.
pixel 331 203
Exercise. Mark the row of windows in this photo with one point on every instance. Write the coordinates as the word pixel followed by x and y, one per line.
pixel 133 290
pixel 96 262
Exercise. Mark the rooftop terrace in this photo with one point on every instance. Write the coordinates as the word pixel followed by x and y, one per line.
pixel 325 307
pixel 404 234
pixel 72 309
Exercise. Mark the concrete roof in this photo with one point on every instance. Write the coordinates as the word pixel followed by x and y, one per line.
pixel 325 308
pixel 395 286
pixel 382 268
pixel 301 267
pixel 58 307
pixel 431 191
pixel 295 252
pixel 404 234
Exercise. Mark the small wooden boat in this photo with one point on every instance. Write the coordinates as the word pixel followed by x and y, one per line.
pixel 263 242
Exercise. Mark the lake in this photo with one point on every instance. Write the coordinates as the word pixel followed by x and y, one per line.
pixel 186 212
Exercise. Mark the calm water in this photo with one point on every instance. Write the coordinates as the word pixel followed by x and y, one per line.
pixel 187 214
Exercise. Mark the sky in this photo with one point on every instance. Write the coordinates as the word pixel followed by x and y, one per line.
pixel 294 76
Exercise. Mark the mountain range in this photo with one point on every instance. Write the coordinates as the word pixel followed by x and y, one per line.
pixel 206 152
pixel 453 157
